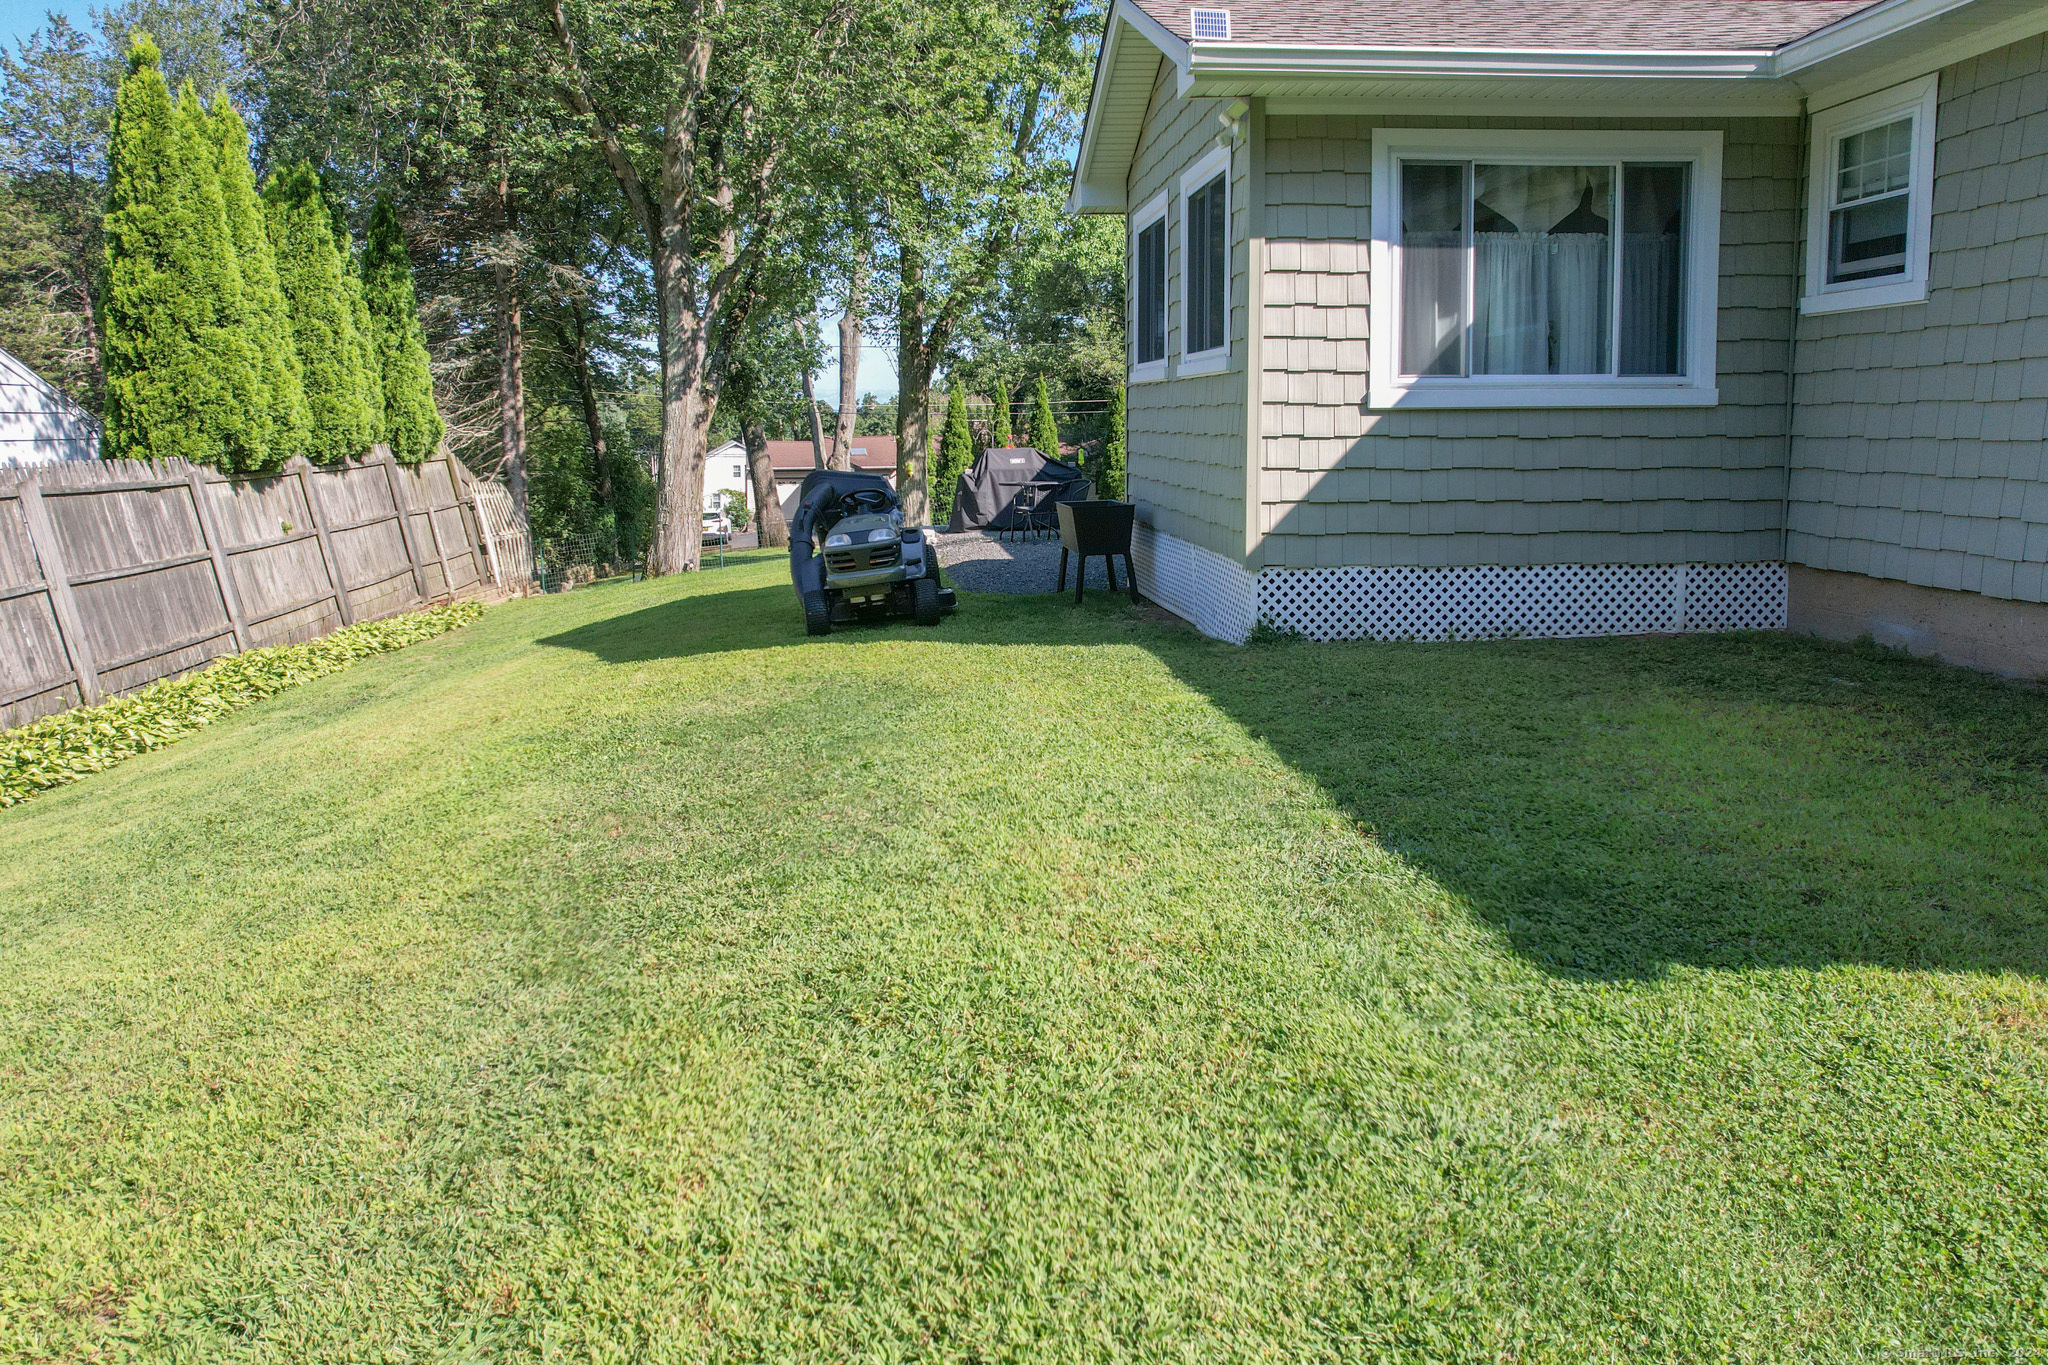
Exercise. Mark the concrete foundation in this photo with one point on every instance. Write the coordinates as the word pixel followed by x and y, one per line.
pixel 1990 633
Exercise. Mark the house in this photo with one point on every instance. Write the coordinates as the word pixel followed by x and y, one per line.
pixel 725 474
pixel 725 468
pixel 38 424
pixel 1586 316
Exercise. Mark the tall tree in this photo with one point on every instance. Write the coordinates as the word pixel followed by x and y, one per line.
pixel 369 374
pixel 956 452
pixel 57 94
pixel 716 121
pixel 1109 476
pixel 989 184
pixel 1045 432
pixel 999 415
pixel 849 355
pixel 182 377
pixel 322 312
pixel 285 420
pixel 411 422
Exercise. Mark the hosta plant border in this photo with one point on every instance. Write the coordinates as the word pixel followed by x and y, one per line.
pixel 88 739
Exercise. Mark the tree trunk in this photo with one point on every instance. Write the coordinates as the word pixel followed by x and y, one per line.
pixel 817 427
pixel 913 389
pixel 849 362
pixel 768 520
pixel 586 388
pixel 511 386
pixel 689 398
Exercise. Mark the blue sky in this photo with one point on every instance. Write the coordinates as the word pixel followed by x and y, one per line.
pixel 877 372
pixel 18 19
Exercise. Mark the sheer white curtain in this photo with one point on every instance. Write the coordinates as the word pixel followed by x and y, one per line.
pixel 1541 303
pixel 1542 269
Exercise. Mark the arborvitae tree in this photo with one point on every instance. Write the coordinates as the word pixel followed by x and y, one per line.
pixel 1109 477
pixel 956 452
pixel 411 422
pixel 1045 433
pixel 369 371
pixel 285 420
pixel 999 420
pixel 323 318
pixel 183 379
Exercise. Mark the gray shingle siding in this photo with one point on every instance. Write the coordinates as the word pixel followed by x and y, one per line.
pixel 1186 435
pixel 1342 486
pixel 1918 446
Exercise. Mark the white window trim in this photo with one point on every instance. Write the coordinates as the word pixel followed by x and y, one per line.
pixel 1918 98
pixel 1388 388
pixel 1152 370
pixel 1216 358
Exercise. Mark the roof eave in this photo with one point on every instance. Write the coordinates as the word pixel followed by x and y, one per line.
pixel 1096 187
pixel 1213 64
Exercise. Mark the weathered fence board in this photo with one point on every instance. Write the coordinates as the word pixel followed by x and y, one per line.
pixel 114 574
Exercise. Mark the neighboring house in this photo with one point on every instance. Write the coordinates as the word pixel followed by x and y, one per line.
pixel 1586 316
pixel 39 425
pixel 725 474
pixel 725 469
pixel 794 459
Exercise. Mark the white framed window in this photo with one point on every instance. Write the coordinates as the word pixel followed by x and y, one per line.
pixel 1870 205
pixel 1522 269
pixel 1148 291
pixel 1205 264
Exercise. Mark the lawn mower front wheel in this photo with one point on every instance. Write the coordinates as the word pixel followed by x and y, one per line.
pixel 817 614
pixel 924 601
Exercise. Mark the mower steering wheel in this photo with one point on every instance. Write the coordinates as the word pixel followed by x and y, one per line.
pixel 864 500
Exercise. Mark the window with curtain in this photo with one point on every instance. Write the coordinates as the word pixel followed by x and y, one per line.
pixel 1542 269
pixel 1149 327
pixel 1207 268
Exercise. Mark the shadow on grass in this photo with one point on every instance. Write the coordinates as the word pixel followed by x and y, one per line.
pixel 1614 807
pixel 1611 807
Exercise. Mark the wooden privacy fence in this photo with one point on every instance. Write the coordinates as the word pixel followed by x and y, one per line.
pixel 114 574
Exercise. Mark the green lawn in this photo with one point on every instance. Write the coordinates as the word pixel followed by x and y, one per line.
pixel 627 977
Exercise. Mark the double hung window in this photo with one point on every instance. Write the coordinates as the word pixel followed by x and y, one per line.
pixel 1871 182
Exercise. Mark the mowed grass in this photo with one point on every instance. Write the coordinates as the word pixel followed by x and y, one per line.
pixel 628 977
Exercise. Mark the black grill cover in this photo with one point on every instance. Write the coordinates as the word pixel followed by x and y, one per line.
pixel 986 497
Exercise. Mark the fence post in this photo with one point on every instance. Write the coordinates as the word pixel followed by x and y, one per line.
pixel 301 466
pixel 230 600
pixel 42 537
pixel 403 506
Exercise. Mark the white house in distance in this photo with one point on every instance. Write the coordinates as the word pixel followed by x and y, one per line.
pixel 1580 317
pixel 39 425
pixel 725 469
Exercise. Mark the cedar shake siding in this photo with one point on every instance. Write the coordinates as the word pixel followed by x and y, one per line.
pixel 1920 448
pixel 1342 485
pixel 1185 436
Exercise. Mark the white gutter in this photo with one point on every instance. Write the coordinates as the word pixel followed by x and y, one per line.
pixel 1225 60
pixel 1864 26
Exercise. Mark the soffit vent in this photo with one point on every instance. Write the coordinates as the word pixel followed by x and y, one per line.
pixel 1210 24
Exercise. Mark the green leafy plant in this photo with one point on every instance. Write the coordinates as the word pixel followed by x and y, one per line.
pixel 65 747
pixel 1109 475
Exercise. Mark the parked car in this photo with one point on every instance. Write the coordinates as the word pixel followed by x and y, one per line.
pixel 717 528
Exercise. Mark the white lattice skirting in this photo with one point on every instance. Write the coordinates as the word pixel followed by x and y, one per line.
pixel 1552 601
pixel 1217 595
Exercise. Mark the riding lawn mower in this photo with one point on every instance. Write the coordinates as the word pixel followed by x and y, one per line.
pixel 851 557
